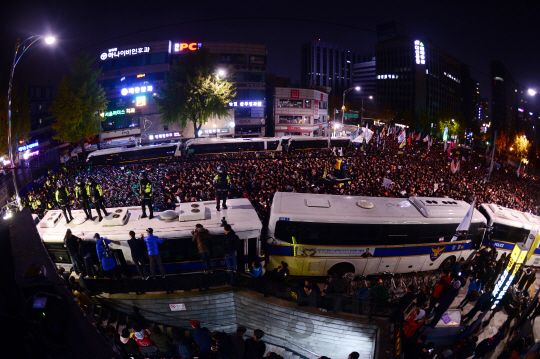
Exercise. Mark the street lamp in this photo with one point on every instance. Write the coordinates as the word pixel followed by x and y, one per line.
pixel 362 113
pixel 16 57
pixel 357 88
pixel 531 92
pixel 221 73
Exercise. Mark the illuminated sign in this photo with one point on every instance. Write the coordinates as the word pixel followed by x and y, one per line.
pixel 165 135
pixel 191 46
pixel 28 146
pixel 140 101
pixel 112 53
pixel 516 258
pixel 246 104
pixel 27 155
pixel 117 112
pixel 419 52
pixel 135 90
pixel 141 75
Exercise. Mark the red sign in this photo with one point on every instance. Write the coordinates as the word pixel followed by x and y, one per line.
pixel 322 97
pixel 294 128
pixel 316 108
pixel 295 93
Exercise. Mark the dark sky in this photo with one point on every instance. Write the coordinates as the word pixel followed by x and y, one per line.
pixel 475 32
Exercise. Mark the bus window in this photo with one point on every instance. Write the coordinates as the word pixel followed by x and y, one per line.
pixel 58 252
pixel 178 250
pixel 505 233
pixel 272 145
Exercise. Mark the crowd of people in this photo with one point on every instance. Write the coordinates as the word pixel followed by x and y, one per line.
pixel 477 279
pixel 413 171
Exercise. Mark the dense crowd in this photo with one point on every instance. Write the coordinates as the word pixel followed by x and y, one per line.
pixel 413 171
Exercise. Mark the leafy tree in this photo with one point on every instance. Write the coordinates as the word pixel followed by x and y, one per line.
pixel 20 120
pixel 448 118
pixel 194 92
pixel 522 144
pixel 79 103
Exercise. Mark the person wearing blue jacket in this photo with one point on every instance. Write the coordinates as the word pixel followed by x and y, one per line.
pixel 105 256
pixel 475 285
pixel 153 252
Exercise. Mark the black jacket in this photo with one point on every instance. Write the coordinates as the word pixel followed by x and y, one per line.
pixel 71 245
pixel 229 243
pixel 138 247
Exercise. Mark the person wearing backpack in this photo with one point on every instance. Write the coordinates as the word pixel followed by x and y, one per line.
pixel 229 243
pixel 105 256
pixel 440 289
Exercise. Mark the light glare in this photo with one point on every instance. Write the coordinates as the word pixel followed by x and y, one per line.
pixel 50 40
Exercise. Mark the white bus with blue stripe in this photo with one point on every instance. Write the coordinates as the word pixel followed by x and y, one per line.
pixel 178 252
pixel 368 235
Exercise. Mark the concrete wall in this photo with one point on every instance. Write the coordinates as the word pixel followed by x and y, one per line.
pixel 282 324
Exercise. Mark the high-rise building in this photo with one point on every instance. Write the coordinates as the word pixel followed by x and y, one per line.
pixel 415 75
pixel 365 76
pixel 40 99
pixel 326 64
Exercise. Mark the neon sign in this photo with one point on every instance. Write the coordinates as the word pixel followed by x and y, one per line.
pixel 246 104
pixel 516 258
pixel 419 52
pixel 140 101
pixel 135 90
pixel 141 75
pixel 28 146
pixel 192 46
pixel 117 112
pixel 112 53
pixel 165 135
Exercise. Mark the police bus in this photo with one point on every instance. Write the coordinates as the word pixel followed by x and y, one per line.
pixel 368 235
pixel 178 252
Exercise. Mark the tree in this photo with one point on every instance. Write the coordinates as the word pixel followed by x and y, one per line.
pixel 522 144
pixel 194 92
pixel 79 103
pixel 447 118
pixel 20 120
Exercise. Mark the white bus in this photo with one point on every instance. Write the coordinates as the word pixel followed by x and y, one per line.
pixel 508 227
pixel 178 252
pixel 133 154
pixel 368 235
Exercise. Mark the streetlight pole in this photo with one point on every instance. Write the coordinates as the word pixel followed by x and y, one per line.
pixel 16 58
pixel 362 113
pixel 357 88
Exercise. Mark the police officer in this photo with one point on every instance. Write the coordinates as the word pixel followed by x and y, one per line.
pixel 96 194
pixel 222 182
pixel 62 197
pixel 146 194
pixel 81 193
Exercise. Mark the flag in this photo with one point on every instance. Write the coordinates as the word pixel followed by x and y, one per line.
pixel 463 158
pixel 428 146
pixel 452 167
pixel 444 146
pixel 450 145
pixel 419 136
pixel 403 144
pixel 465 224
pixel 409 140
pixel 364 144
pixel 519 170
pixel 401 137
pixel 325 172
pixel 387 183
pixel 458 166
pixel 426 138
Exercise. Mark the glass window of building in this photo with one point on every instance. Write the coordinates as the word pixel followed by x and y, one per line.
pixel 290 103
pixel 292 119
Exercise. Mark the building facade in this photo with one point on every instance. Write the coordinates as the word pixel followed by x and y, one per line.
pixel 365 76
pixel 40 99
pixel 416 75
pixel 300 112
pixel 133 74
pixel 326 64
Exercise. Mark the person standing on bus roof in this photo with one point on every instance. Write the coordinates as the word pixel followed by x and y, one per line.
pixel 96 194
pixel 70 242
pixel 222 182
pixel 137 247
pixel 202 237
pixel 106 257
pixel 230 241
pixel 146 194
pixel 62 197
pixel 81 193
pixel 153 252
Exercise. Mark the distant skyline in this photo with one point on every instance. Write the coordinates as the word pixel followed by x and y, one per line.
pixel 473 32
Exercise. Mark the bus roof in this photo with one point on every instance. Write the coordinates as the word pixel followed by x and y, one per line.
pixel 127 149
pixel 324 208
pixel 510 217
pixel 198 141
pixel 240 215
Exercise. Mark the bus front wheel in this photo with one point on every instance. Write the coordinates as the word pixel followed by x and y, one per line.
pixel 447 263
pixel 341 268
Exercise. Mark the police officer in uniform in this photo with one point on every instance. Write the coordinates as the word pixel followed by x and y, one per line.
pixel 96 194
pixel 222 182
pixel 145 190
pixel 81 193
pixel 62 197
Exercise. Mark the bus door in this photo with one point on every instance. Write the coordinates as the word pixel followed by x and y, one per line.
pixel 411 259
pixel 390 258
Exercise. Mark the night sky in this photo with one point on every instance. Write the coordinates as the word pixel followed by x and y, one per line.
pixel 475 32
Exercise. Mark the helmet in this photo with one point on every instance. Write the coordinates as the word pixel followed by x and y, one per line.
pixel 78 180
pixel 59 183
pixel 88 180
pixel 143 175
pixel 221 169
